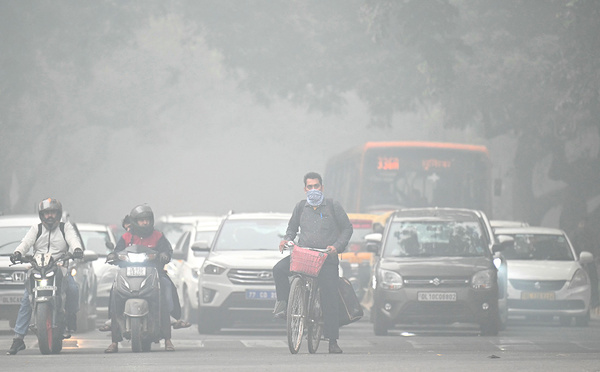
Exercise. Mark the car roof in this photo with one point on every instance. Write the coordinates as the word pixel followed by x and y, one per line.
pixel 507 223
pixel 435 213
pixel 92 226
pixel 259 216
pixel 533 230
pixel 188 218
pixel 19 220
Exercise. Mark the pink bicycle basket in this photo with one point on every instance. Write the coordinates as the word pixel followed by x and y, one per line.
pixel 306 261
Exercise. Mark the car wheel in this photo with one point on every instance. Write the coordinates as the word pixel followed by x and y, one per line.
pixel 565 321
pixel 492 326
pixel 582 321
pixel 380 326
pixel 83 314
pixel 208 322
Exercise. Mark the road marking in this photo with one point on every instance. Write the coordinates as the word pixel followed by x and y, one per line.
pixel 264 343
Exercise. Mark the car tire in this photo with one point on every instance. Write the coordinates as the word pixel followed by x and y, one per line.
pixel 492 326
pixel 83 314
pixel 565 320
pixel 380 326
pixel 582 321
pixel 209 322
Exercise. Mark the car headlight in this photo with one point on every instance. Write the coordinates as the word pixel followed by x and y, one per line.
pixel 210 268
pixel 579 279
pixel 483 279
pixel 390 279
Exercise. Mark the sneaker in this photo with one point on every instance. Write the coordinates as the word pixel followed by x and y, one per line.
pixel 280 308
pixel 17 345
pixel 334 348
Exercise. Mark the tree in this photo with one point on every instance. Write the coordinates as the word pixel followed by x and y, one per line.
pixel 48 50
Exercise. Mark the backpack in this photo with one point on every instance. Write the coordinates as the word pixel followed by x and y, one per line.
pixel 61 226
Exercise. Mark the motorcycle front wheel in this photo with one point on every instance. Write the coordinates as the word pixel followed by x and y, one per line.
pixel 49 339
pixel 136 335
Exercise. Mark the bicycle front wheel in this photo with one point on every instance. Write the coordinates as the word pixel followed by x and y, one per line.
pixel 296 313
pixel 315 321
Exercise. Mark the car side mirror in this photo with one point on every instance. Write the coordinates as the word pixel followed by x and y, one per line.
pixel 504 242
pixel 89 256
pixel 586 257
pixel 373 242
pixel 201 246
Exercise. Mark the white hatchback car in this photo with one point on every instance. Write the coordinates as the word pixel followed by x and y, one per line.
pixel 186 262
pixel 100 239
pixel 236 280
pixel 545 276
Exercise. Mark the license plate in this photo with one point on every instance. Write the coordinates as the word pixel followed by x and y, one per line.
pixel 255 294
pixel 549 296
pixel 10 300
pixel 436 296
pixel 136 271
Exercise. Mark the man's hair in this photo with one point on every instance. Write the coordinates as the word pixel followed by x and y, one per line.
pixel 313 175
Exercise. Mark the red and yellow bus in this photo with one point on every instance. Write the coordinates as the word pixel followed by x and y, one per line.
pixel 383 176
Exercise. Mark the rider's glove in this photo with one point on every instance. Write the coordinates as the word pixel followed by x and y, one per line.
pixel 111 258
pixel 77 253
pixel 164 258
pixel 15 257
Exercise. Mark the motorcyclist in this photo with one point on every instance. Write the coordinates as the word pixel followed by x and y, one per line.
pixel 142 232
pixel 55 237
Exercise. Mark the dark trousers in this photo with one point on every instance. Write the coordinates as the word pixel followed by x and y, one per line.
pixel 328 284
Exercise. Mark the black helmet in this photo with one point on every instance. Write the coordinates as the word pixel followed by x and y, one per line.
pixel 141 212
pixel 47 205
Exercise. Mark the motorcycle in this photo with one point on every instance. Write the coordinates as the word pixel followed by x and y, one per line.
pixel 48 296
pixel 137 296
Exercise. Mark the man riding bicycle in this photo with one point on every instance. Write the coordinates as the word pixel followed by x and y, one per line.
pixel 324 224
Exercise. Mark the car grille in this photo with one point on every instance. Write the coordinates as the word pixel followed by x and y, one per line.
pixel 537 285
pixel 546 305
pixel 12 278
pixel 436 282
pixel 251 277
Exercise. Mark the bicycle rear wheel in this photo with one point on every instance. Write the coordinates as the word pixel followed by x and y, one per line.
pixel 296 313
pixel 315 321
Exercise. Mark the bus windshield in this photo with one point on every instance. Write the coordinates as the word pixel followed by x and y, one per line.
pixel 418 177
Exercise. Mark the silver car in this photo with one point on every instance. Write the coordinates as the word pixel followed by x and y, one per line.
pixel 545 276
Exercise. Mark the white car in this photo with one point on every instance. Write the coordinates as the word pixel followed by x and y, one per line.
pixel 545 276
pixel 100 239
pixel 236 280
pixel 173 226
pixel 186 262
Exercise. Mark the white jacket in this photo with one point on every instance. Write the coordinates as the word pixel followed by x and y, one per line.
pixel 50 241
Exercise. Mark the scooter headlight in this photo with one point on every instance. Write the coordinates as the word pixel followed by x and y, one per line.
pixel 37 275
pixel 137 257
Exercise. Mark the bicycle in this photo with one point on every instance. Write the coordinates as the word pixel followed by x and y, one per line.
pixel 304 303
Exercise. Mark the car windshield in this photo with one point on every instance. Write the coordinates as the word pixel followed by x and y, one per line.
pixel 96 241
pixel 249 235
pixel 435 239
pixel 173 231
pixel 10 237
pixel 539 247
